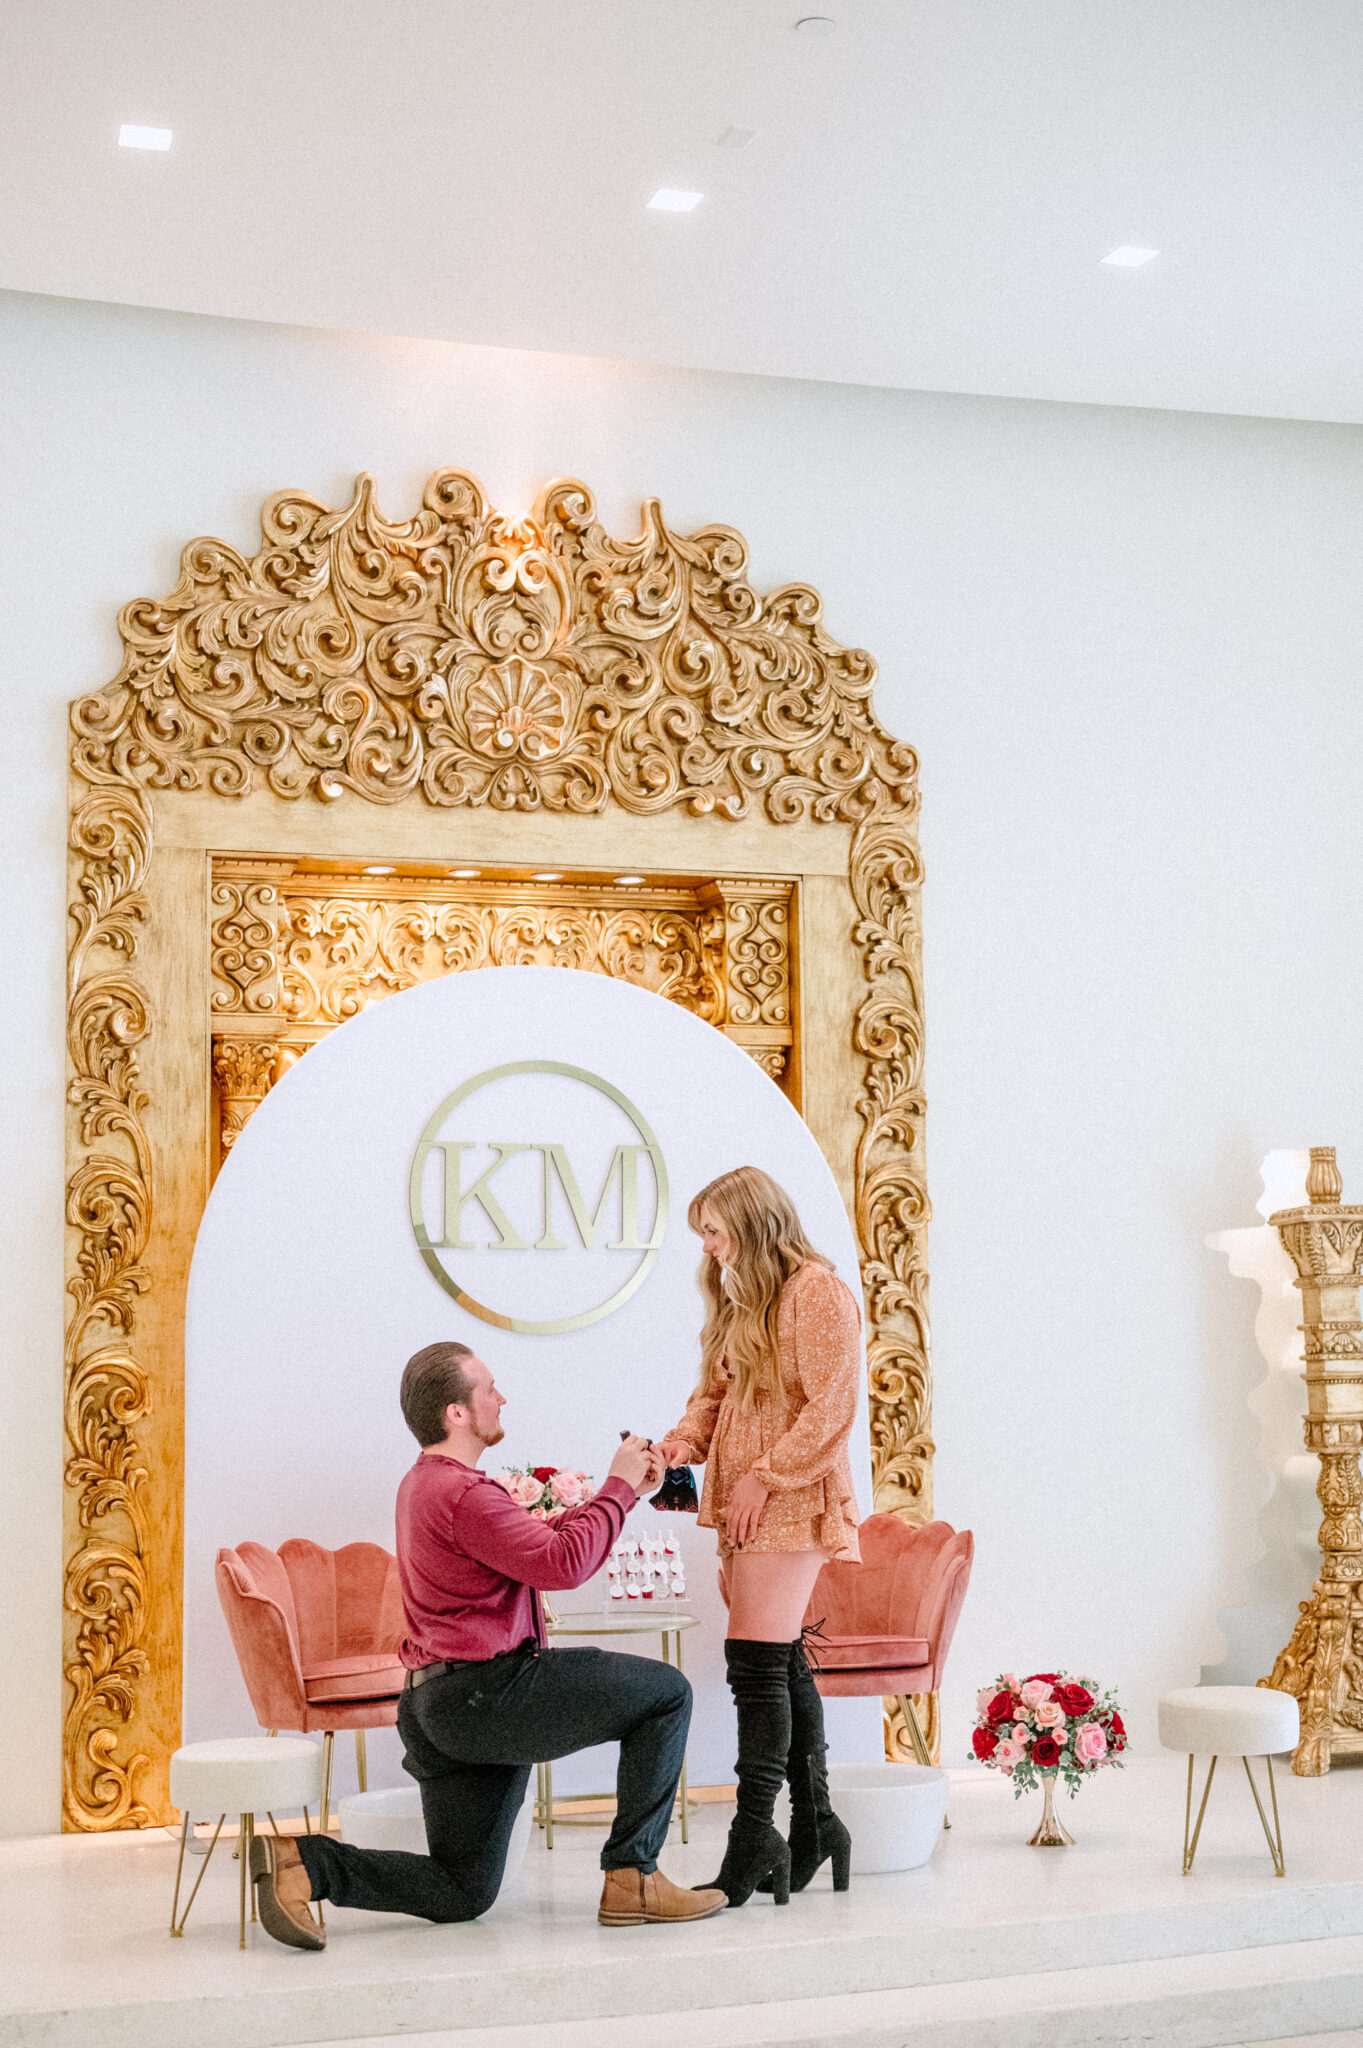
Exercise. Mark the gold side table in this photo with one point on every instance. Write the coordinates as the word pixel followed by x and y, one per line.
pixel 661 1622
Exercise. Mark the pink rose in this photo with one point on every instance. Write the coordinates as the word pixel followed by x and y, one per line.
pixel 1011 1750
pixel 1090 1744
pixel 1034 1692
pixel 982 1699
pixel 1049 1714
pixel 525 1489
pixel 569 1489
pixel 1009 1682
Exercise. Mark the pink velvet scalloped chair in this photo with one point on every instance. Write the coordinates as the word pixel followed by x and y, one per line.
pixel 887 1622
pixel 316 1634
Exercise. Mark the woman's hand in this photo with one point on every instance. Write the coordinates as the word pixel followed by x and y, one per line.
pixel 744 1511
pixel 676 1451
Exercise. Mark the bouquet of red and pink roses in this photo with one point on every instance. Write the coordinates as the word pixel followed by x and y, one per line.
pixel 546 1489
pixel 1047 1724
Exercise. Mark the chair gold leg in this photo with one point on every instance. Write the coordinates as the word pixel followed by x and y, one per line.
pixel 918 1741
pixel 681 1783
pixel 184 1837
pixel 1190 1848
pixel 244 1853
pixel 327 1740
pixel 361 1760
pixel 548 1770
pixel 1275 1846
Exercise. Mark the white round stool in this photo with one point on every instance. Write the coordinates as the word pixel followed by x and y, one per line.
pixel 245 1775
pixel 1230 1720
pixel 893 1812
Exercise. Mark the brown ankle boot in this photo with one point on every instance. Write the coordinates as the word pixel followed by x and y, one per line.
pixel 630 1897
pixel 283 1890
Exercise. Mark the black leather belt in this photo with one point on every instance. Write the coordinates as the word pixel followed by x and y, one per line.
pixel 425 1671
pixel 418 1676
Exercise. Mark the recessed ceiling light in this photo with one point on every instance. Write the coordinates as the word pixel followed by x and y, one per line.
pixel 666 200
pixel 549 875
pixel 132 137
pixel 465 874
pixel 736 138
pixel 628 881
pixel 379 871
pixel 1129 257
pixel 815 25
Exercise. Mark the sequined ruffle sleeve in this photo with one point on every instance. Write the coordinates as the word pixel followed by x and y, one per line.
pixel 826 1361
pixel 697 1426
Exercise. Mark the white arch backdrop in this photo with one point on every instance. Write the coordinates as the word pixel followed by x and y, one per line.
pixel 308 1290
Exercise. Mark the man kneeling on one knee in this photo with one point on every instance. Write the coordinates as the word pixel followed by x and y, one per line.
pixel 485 1698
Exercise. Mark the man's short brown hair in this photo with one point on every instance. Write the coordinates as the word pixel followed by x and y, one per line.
pixel 432 1380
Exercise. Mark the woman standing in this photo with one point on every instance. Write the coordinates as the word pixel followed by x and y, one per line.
pixel 770 1419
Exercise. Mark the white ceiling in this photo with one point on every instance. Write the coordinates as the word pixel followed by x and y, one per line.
pixel 925 204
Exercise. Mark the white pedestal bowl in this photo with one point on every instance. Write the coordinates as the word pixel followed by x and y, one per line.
pixel 893 1812
pixel 392 1820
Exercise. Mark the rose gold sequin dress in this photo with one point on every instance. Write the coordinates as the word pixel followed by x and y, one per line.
pixel 794 1438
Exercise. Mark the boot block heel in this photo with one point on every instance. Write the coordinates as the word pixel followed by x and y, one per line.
pixel 842 1865
pixel 780 1879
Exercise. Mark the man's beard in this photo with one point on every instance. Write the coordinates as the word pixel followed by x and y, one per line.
pixel 495 1438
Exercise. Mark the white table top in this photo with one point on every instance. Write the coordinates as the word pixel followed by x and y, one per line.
pixel 640 1621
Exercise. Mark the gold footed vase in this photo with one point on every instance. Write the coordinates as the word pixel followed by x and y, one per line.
pixel 1052 1833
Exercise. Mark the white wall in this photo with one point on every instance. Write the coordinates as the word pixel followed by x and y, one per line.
pixel 308 1294
pixel 1127 646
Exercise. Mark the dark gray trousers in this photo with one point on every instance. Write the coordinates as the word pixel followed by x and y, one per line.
pixel 471 1738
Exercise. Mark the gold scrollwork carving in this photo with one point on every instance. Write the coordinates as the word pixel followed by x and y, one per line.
pixel 243 1070
pixel 462 659
pixel 108 1206
pixel 244 948
pixel 337 954
pixel 891 1191
pixel 485 661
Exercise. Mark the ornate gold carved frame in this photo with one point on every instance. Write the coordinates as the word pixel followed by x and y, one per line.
pixel 457 689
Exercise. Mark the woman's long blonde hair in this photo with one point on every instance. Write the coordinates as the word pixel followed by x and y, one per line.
pixel 741 1300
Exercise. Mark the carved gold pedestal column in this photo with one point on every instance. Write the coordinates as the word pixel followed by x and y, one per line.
pixel 1323 1663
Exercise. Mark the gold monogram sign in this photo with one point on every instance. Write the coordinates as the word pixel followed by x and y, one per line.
pixel 552 1170
pixel 376 750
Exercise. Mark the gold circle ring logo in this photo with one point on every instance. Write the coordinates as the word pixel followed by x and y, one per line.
pixel 588 1223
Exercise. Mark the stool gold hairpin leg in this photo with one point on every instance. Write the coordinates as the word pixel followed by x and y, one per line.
pixel 177 1931
pixel 244 1851
pixel 361 1760
pixel 1190 1848
pixel 327 1739
pixel 1275 1839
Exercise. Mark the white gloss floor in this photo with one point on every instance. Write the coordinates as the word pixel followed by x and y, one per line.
pixel 991 1945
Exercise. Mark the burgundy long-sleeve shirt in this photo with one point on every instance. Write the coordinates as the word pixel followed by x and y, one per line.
pixel 472 1563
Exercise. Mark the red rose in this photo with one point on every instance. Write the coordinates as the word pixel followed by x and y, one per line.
pixel 1045 1752
pixel 1075 1699
pixel 985 1743
pixel 543 1472
pixel 1116 1729
pixel 1046 1677
pixel 1001 1708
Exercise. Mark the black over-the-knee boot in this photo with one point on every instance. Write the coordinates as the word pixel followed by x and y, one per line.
pixel 815 1830
pixel 759 1681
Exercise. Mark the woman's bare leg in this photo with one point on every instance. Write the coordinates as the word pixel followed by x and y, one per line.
pixel 768 1592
